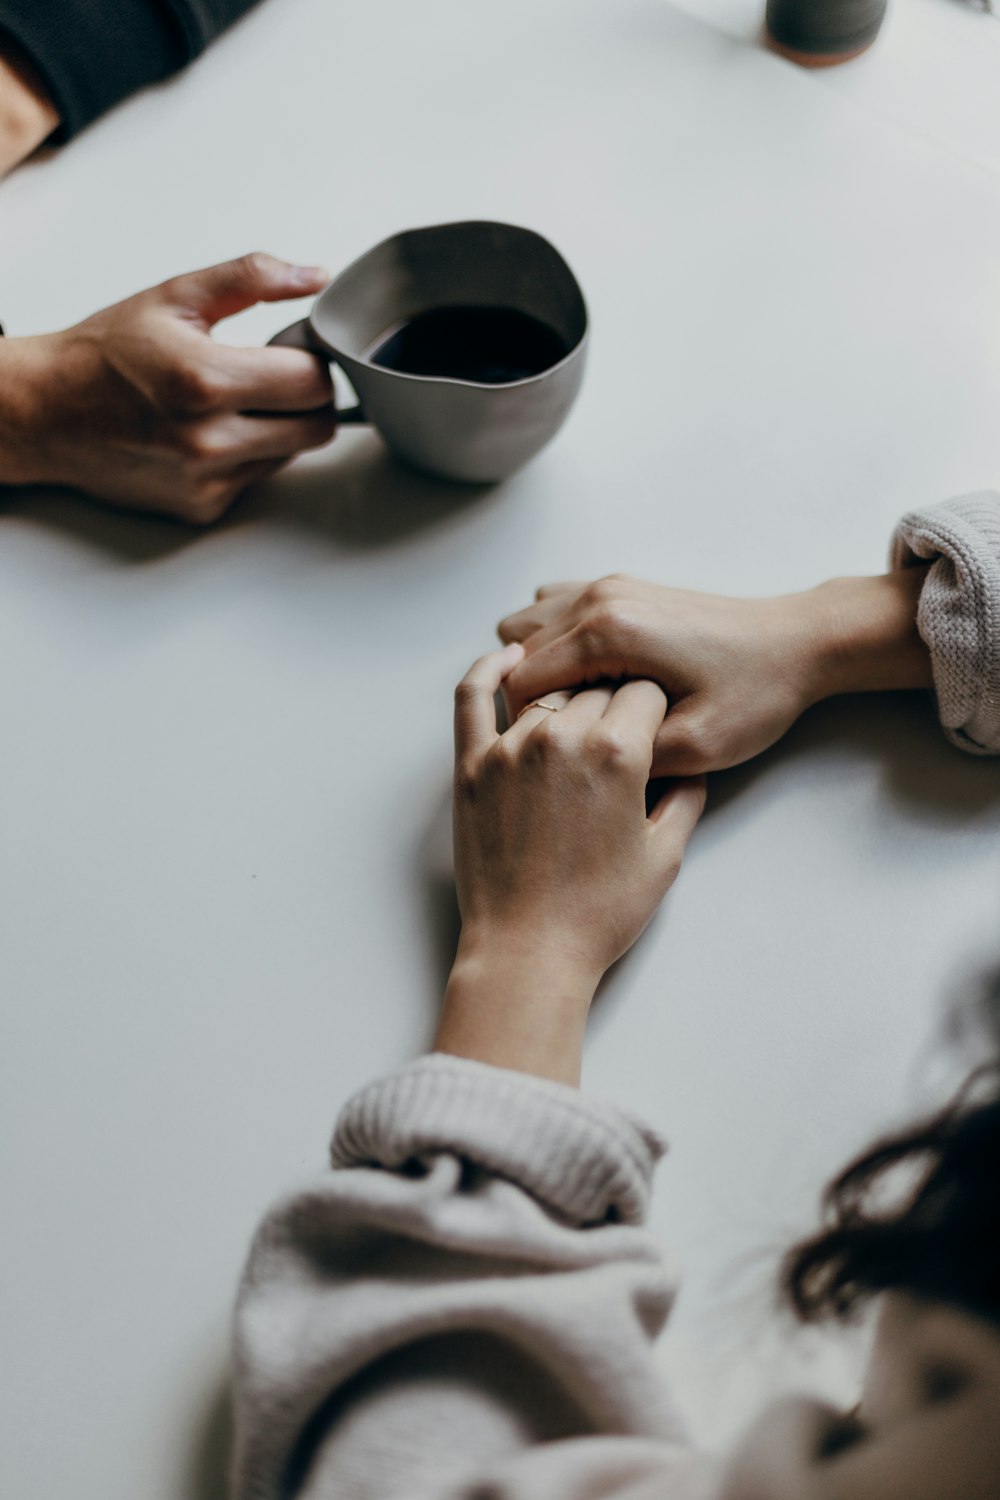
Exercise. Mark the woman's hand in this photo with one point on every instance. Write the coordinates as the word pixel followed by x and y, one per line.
pixel 737 672
pixel 140 407
pixel 558 865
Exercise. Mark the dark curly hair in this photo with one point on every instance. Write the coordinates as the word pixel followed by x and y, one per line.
pixel 936 1235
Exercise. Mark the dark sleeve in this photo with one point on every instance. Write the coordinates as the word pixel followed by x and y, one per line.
pixel 90 54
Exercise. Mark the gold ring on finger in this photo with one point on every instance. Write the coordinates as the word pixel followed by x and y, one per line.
pixel 553 708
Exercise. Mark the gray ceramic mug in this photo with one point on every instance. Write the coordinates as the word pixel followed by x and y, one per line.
pixel 454 428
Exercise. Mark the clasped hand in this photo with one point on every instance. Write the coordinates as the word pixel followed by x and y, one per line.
pixel 559 866
pixel 737 673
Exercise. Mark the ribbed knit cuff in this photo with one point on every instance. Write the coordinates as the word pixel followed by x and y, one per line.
pixel 91 56
pixel 585 1159
pixel 958 615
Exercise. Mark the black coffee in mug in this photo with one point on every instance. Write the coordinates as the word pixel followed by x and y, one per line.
pixel 487 345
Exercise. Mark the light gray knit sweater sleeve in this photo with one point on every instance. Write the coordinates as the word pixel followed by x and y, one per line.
pixel 959 611
pixel 464 1306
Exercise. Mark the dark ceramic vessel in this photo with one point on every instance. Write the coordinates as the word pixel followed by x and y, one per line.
pixel 821 32
pixel 455 428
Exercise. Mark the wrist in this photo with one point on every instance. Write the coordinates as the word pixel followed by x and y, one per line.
pixel 862 635
pixel 517 1005
pixel 24 454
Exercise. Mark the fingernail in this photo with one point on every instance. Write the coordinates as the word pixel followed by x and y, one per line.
pixel 309 275
pixel 512 654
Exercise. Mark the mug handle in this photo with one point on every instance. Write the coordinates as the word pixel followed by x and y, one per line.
pixel 300 336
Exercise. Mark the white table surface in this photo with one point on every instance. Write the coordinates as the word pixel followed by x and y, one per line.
pixel 934 70
pixel 223 897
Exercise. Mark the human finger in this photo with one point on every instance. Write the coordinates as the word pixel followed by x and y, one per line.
pixel 275 379
pixel 533 715
pixel 249 439
pixel 549 601
pixel 221 290
pixel 565 662
pixel 637 709
pixel 257 471
pixel 548 590
pixel 684 746
pixel 475 711
pixel 674 818
pixel 213 495
pixel 588 706
pixel 525 622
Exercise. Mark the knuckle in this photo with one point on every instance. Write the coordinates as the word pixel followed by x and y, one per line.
pixel 502 758
pixel 599 591
pixel 187 440
pixel 467 690
pixel 550 739
pixel 609 620
pixel 194 388
pixel 616 616
pixel 255 264
pixel 208 503
pixel 200 442
pixel 466 780
pixel 691 742
pixel 588 641
pixel 169 290
pixel 611 750
pixel 607 588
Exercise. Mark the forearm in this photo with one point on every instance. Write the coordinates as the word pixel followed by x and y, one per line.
pixel 515 1005
pixel 27 114
pixel 94 56
pixel 862 636
pixel 22 404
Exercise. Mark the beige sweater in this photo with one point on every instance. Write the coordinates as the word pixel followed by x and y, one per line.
pixel 465 1307
pixel 959 611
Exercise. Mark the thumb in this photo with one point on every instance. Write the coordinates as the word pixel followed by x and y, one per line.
pixel 221 290
pixel 674 818
pixel 684 744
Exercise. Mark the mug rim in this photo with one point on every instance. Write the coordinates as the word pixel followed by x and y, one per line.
pixel 476 385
